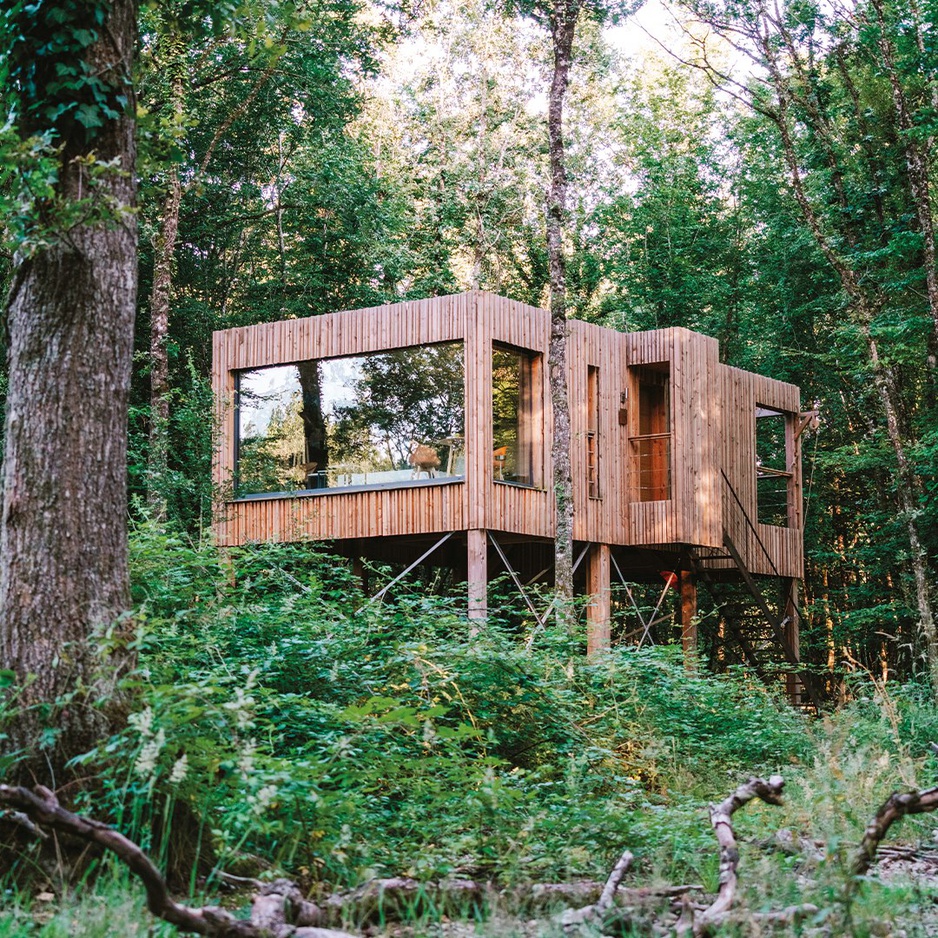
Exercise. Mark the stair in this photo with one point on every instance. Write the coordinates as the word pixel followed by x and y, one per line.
pixel 754 628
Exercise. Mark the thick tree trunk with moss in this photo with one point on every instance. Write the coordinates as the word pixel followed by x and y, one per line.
pixel 63 540
pixel 563 28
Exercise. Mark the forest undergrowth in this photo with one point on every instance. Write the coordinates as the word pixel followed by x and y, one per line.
pixel 278 725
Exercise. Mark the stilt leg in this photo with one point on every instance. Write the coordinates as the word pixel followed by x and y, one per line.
pixel 599 610
pixel 789 587
pixel 477 545
pixel 689 618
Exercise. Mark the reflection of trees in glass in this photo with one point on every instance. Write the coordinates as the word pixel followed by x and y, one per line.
pixel 353 416
pixel 271 458
pixel 405 396
pixel 315 442
pixel 512 416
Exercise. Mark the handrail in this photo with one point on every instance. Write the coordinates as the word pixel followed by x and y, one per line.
pixel 752 528
pixel 649 436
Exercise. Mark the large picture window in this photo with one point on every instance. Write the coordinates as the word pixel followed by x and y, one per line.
pixel 385 419
pixel 517 417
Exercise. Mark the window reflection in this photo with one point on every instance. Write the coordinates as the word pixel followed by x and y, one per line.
pixel 389 418
pixel 516 416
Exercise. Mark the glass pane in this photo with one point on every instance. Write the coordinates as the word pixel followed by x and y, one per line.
pixel 389 418
pixel 651 446
pixel 651 469
pixel 514 410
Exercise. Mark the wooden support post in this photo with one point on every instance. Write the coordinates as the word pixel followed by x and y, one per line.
pixel 477 578
pixel 689 617
pixel 599 609
pixel 359 572
pixel 789 605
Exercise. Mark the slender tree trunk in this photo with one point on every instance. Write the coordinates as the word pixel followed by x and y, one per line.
pixel 158 461
pixel 563 29
pixel 864 308
pixel 917 166
pixel 909 490
pixel 63 539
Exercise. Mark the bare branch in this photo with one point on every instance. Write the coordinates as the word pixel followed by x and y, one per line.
pixel 612 883
pixel 279 900
pixel 721 819
pixel 896 807
pixel 572 919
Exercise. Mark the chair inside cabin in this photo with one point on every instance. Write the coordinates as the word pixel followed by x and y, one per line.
pixel 499 455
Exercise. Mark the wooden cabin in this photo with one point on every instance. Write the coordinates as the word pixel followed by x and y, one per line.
pixel 425 427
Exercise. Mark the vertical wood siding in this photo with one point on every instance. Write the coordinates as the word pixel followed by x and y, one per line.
pixel 712 413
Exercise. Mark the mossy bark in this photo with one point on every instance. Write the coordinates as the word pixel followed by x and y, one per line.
pixel 63 537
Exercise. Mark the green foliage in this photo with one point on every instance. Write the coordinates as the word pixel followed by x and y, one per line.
pixel 44 62
pixel 278 724
pixel 354 744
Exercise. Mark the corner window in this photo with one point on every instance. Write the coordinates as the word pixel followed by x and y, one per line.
pixel 517 417
pixel 650 432
pixel 392 418
pixel 774 476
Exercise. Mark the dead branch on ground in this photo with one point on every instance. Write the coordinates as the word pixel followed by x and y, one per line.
pixel 721 820
pixel 688 918
pixel 595 912
pixel 279 911
pixel 895 807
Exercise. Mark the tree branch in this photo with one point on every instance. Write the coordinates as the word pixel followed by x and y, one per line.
pixel 896 807
pixel 271 908
pixel 721 820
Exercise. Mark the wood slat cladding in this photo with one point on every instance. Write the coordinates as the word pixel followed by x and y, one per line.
pixel 707 429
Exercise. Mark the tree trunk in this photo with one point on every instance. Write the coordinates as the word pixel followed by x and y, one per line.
pixel 563 28
pixel 315 440
pixel 864 308
pixel 157 458
pixel 63 539
pixel 918 168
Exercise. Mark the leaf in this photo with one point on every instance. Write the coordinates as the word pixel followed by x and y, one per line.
pixel 89 116
pixel 7 678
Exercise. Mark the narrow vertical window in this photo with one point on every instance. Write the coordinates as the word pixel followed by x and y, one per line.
pixel 592 431
pixel 774 476
pixel 517 419
pixel 650 435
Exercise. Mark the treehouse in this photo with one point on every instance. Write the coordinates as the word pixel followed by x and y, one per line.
pixel 420 433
